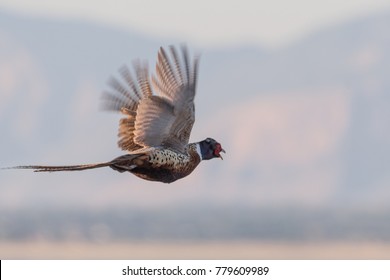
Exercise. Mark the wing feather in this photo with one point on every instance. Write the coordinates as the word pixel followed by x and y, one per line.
pixel 125 72
pixel 176 60
pixel 186 65
pixel 141 71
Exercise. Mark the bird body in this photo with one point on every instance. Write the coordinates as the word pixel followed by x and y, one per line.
pixel 156 124
pixel 160 164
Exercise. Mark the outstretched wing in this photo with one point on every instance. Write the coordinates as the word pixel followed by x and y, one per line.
pixel 164 119
pixel 125 98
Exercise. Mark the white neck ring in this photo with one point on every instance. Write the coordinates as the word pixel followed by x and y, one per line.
pixel 198 150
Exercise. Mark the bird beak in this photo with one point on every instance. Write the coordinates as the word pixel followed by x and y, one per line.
pixel 223 151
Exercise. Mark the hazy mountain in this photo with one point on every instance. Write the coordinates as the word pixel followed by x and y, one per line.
pixel 305 125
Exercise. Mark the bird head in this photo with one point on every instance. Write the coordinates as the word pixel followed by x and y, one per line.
pixel 210 149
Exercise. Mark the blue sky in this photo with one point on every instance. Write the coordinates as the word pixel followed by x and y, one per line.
pixel 209 23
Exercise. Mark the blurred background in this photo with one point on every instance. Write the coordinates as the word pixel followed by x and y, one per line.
pixel 296 92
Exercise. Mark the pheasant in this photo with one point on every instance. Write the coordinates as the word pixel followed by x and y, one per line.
pixel 157 121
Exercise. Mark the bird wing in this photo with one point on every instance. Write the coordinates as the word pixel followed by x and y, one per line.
pixel 164 119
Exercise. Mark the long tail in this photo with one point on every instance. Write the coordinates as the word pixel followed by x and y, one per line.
pixel 44 168
pixel 121 164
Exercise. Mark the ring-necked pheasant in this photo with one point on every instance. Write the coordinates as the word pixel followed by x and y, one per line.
pixel 156 128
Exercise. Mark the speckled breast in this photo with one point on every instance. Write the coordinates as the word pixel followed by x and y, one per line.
pixel 167 166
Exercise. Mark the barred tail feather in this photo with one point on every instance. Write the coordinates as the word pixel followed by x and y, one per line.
pixel 44 168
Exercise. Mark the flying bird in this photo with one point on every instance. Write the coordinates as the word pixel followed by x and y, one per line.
pixel 158 115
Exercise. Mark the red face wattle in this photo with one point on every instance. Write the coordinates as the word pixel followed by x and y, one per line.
pixel 218 149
